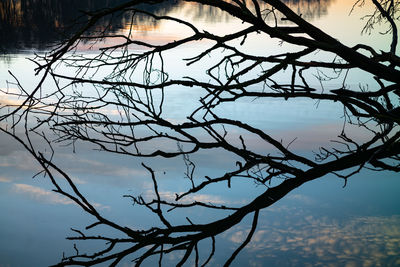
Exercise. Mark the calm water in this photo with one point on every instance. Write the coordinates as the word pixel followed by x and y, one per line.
pixel 320 224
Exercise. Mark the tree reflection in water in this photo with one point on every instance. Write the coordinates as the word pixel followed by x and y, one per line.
pixel 30 24
pixel 123 110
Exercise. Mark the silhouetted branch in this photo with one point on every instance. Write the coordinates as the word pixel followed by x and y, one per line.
pixel 122 110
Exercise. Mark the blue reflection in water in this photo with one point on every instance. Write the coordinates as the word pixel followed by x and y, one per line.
pixel 319 224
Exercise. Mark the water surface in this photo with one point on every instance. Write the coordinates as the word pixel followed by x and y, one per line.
pixel 320 224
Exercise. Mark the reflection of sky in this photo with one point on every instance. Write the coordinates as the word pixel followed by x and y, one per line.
pixel 320 224
pixel 323 241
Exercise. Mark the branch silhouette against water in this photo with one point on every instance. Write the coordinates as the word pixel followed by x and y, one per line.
pixel 141 129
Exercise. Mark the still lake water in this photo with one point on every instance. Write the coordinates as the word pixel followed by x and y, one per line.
pixel 320 224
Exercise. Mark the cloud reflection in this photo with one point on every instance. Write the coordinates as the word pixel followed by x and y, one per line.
pixel 323 241
pixel 17 159
pixel 41 195
pixel 4 179
pixel 44 196
pixel 8 100
pixel 78 164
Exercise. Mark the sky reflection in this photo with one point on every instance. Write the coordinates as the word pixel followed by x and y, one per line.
pixel 298 240
pixel 321 224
